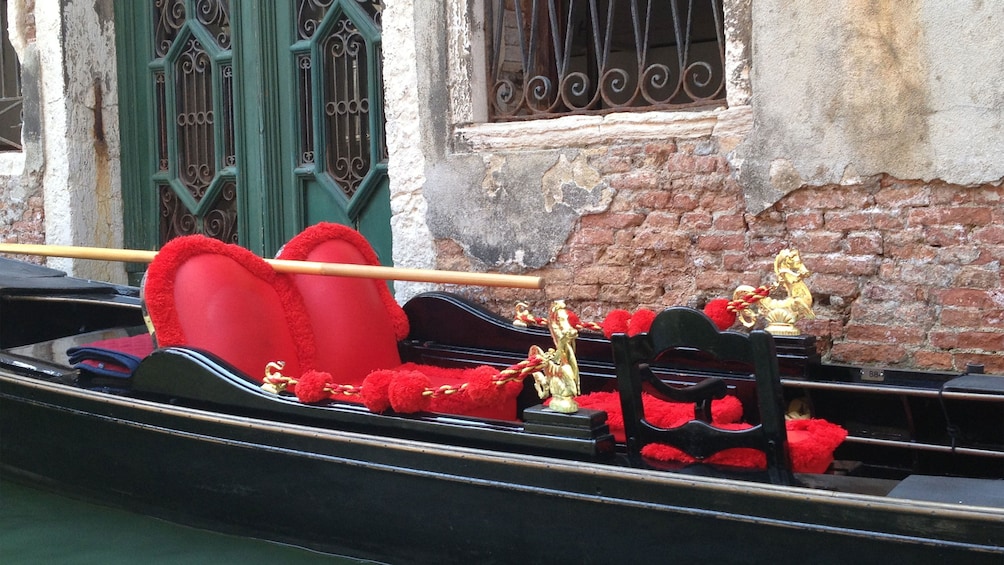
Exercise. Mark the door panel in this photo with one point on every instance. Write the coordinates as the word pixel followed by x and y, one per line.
pixel 341 151
pixel 248 121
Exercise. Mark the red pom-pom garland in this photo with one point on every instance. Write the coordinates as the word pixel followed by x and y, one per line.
pixel 720 313
pixel 407 392
pixel 640 322
pixel 312 387
pixel 616 322
pixel 375 393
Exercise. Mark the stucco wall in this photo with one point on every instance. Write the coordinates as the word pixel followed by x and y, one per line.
pixel 68 190
pixel 845 90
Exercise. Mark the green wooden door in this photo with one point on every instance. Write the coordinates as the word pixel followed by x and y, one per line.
pixel 248 121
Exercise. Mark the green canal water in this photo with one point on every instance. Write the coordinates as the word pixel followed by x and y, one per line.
pixel 41 527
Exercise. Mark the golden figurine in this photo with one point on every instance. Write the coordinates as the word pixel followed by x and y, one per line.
pixel 560 377
pixel 780 315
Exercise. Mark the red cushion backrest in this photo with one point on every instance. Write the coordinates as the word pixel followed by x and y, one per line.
pixel 356 322
pixel 202 293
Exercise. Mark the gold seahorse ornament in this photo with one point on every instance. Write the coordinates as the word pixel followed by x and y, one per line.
pixel 781 314
pixel 559 378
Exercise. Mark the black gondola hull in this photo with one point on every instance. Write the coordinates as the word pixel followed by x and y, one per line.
pixel 409 501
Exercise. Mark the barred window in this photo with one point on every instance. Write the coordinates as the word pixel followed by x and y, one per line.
pixel 10 90
pixel 557 57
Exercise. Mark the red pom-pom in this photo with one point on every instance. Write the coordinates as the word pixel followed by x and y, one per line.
pixel 481 387
pixel 727 410
pixel 718 311
pixel 616 322
pixel 374 394
pixel 573 319
pixel 641 322
pixel 406 392
pixel 310 387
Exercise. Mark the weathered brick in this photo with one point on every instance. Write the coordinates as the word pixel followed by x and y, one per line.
pixel 943 236
pixel 660 219
pixel 729 222
pixel 838 285
pixel 985 341
pixel 612 221
pixel 841 264
pixel 809 220
pixel 903 196
pixel 934 360
pixel 849 221
pixel 865 354
pixel 962 317
pixel 875 333
pixel 721 242
pixel 869 243
pixel 954 215
pixel 594 236
pixel 817 242
pixel 965 297
pixel 695 221
pixel 988 235
pixel 978 276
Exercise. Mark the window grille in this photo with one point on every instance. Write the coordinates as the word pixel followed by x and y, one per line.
pixel 10 90
pixel 556 57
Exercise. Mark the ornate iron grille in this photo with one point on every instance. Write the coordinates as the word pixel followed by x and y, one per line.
pixel 346 106
pixel 336 90
pixel 557 57
pixel 194 118
pixel 192 72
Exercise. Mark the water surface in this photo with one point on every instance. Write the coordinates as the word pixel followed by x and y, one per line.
pixel 37 526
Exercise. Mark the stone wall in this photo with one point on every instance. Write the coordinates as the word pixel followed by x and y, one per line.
pixel 905 273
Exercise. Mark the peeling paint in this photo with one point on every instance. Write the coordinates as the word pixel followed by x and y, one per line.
pixel 574 183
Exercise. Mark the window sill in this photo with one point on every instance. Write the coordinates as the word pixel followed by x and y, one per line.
pixel 582 131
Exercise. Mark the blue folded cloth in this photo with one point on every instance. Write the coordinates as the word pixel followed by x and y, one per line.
pixel 102 362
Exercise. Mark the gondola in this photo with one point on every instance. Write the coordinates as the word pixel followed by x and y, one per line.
pixel 189 437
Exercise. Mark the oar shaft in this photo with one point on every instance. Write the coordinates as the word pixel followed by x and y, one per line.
pixel 294 267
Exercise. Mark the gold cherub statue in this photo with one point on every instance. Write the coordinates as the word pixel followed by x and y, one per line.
pixel 781 314
pixel 559 378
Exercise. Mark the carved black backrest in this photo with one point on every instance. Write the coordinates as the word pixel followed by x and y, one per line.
pixel 680 327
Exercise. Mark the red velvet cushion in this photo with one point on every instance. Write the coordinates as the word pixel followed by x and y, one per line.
pixel 810 446
pixel 664 414
pixel 810 442
pixel 221 298
pixel 356 322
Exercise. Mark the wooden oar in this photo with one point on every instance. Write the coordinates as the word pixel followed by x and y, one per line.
pixel 296 267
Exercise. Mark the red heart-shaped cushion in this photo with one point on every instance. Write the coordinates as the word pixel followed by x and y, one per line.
pixel 356 322
pixel 202 293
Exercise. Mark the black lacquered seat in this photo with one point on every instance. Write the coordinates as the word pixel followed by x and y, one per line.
pixel 686 328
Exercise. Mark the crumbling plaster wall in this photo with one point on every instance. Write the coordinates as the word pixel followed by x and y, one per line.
pixel 847 90
pixel 22 215
pixel 71 150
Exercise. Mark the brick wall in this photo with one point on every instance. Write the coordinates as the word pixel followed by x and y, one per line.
pixel 905 273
